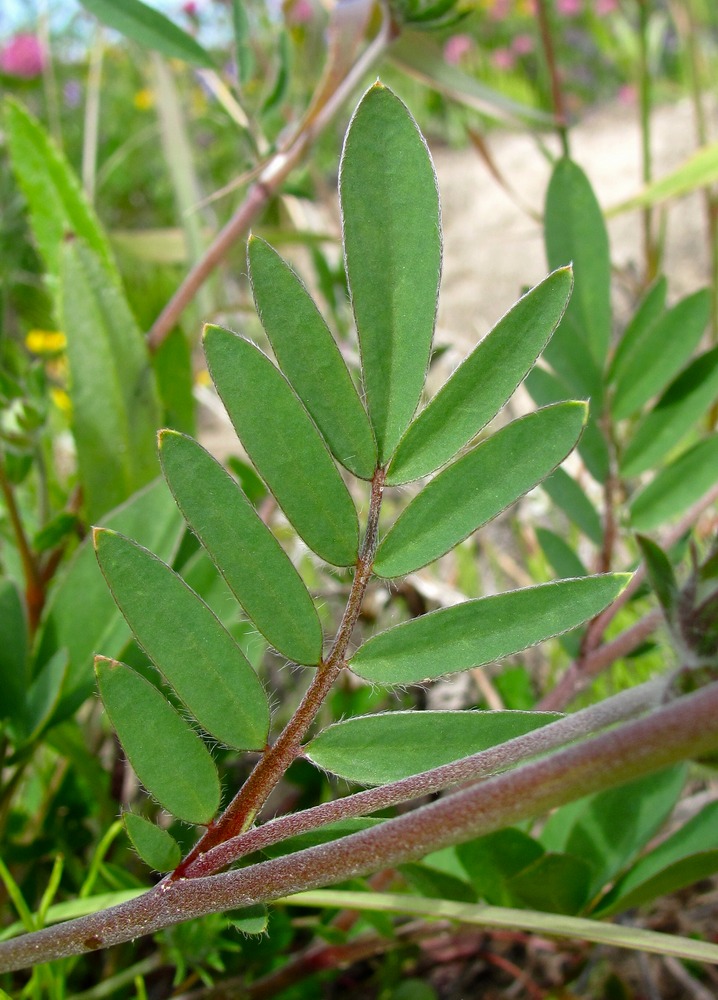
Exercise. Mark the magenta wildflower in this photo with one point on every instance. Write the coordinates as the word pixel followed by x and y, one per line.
pixel 22 56
pixel 456 48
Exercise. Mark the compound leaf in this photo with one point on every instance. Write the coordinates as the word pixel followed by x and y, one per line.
pixel 156 847
pixel 374 749
pixel 478 632
pixel 257 569
pixel 187 644
pixel 392 245
pixel 478 486
pixel 167 755
pixel 483 382
pixel 310 359
pixel 284 445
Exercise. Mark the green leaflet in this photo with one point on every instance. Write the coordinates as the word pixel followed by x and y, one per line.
pixel 478 486
pixel 167 755
pixel 80 616
pixel 492 860
pixel 483 382
pixel 374 749
pixel 564 561
pixel 310 359
pixel 575 231
pixel 257 569
pixel 392 245
pixel 187 644
pixel 557 883
pixel 566 493
pixel 649 311
pixel 660 576
pixel 662 350
pixel 155 846
pixel 689 854
pixel 676 486
pixel 145 25
pixel 484 630
pixel 14 672
pixel 115 408
pixel 58 207
pixel 284 445
pixel 676 412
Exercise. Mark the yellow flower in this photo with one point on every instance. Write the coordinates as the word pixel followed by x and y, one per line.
pixel 45 341
pixel 202 377
pixel 144 99
pixel 61 400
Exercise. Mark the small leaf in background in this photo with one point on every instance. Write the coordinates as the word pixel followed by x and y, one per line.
pixel 43 696
pixel 172 365
pixel 437 884
pixel 374 749
pixel 554 883
pixel 686 856
pixel 242 41
pixel 278 90
pixel 481 385
pixel 250 919
pixel 682 404
pixel 564 561
pixel 257 569
pixel 115 407
pixel 478 486
pixel 567 494
pixel 392 245
pixel 545 387
pixel 149 28
pixel 187 644
pixel 478 632
pixel 656 357
pixel 156 847
pixel 166 754
pixel 492 860
pixel 310 359
pixel 80 615
pixel 660 574
pixel 650 309
pixel 284 445
pixel 54 196
pixel 607 830
pixel 575 231
pixel 14 672
pixel 676 486
pixel 699 170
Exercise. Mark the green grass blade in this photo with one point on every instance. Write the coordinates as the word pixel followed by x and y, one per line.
pixel 187 644
pixel 682 404
pixel 392 245
pixel 310 359
pixel 478 486
pixel 575 231
pixel 374 749
pixel 483 383
pixel 115 406
pixel 664 348
pixel 482 631
pixel 284 445
pixel 166 754
pixel 150 28
pixel 156 847
pixel 255 566
pixel 676 486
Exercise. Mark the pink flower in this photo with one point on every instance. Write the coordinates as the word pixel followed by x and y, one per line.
pixel 503 58
pixel 23 56
pixel 456 48
pixel 301 12
pixel 604 7
pixel 569 8
pixel 500 10
pixel 627 94
pixel 522 45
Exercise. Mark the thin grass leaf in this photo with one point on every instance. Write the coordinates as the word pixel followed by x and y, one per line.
pixel 310 359
pixel 483 382
pixel 166 754
pixel 375 749
pixel 187 644
pixel 392 245
pixel 478 486
pixel 481 631
pixel 284 446
pixel 255 566
pixel 149 28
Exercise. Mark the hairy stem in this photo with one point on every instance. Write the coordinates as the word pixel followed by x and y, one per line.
pixel 687 727
pixel 241 812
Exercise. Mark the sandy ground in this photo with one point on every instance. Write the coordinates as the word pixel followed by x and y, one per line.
pixel 493 248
